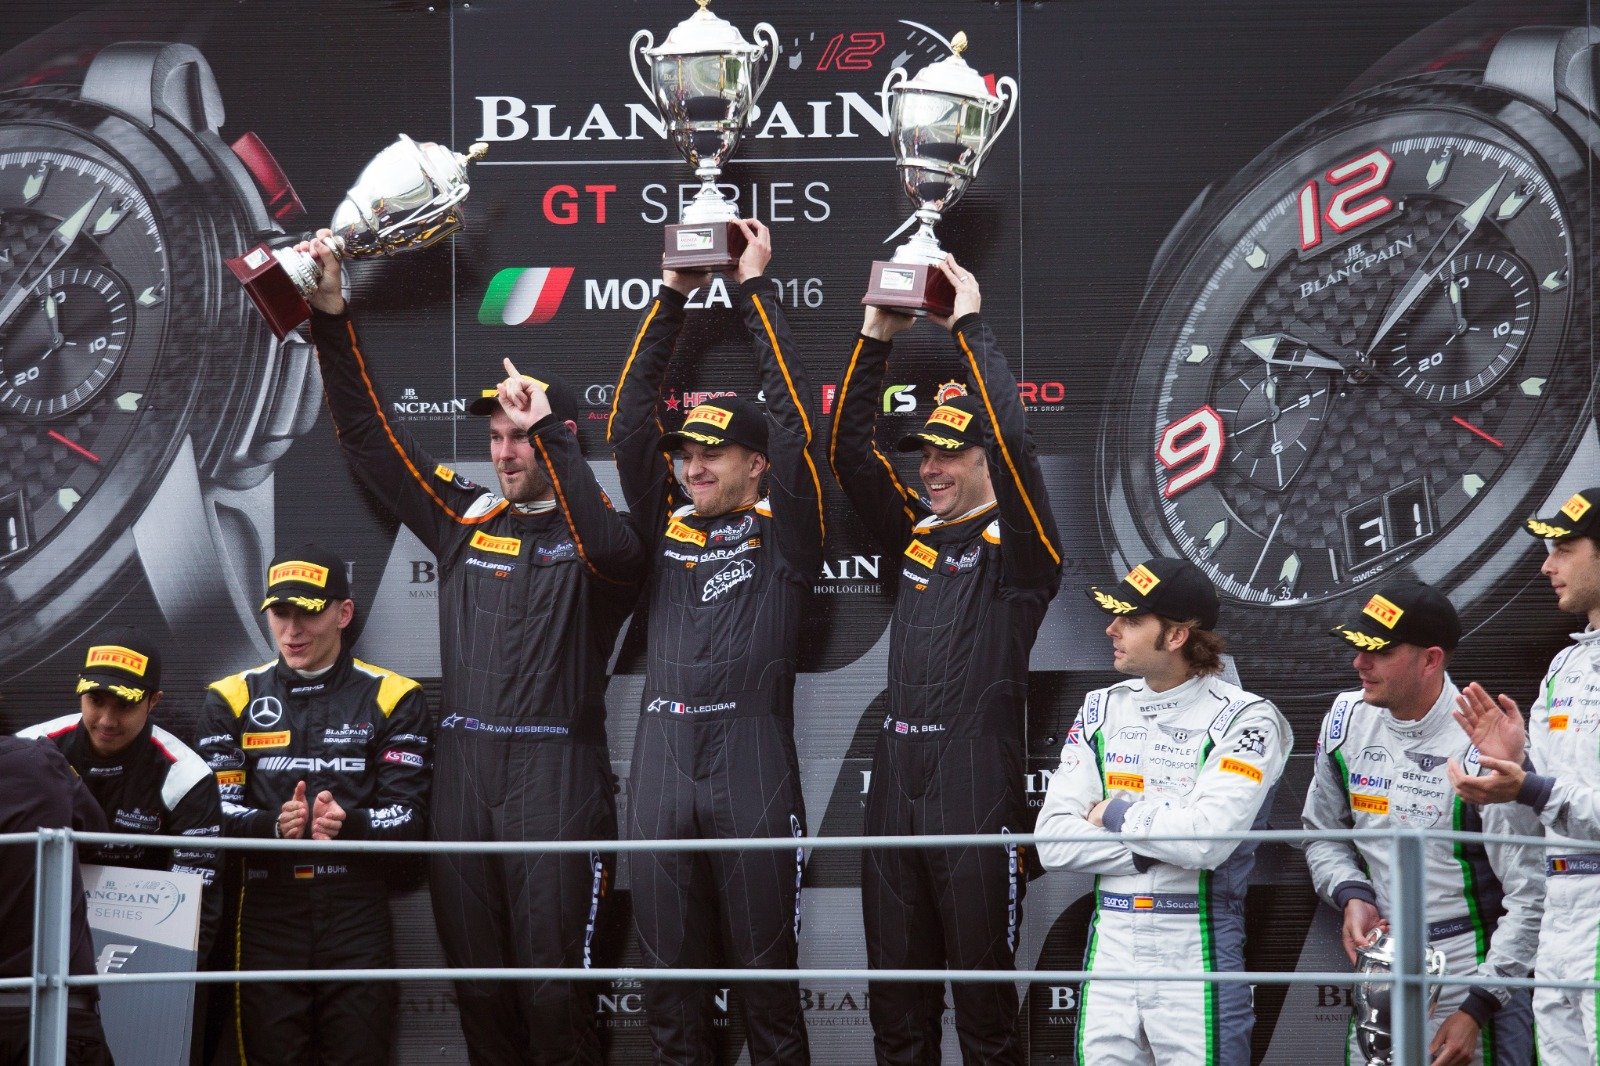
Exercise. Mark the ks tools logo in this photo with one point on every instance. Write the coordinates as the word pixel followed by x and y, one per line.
pixel 524 296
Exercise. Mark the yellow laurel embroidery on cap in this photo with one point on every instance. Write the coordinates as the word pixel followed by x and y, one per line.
pixel 305 573
pixel 122 692
pixel 715 416
pixel 1544 529
pixel 118 656
pixel 1363 641
pixel 1141 578
pixel 943 442
pixel 307 603
pixel 1576 507
pixel 951 417
pixel 1385 613
pixel 1111 603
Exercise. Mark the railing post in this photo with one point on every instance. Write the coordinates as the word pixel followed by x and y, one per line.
pixel 1408 1017
pixel 52 946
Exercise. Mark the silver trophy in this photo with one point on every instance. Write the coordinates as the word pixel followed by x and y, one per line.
pixel 1372 1001
pixel 409 196
pixel 943 123
pixel 702 80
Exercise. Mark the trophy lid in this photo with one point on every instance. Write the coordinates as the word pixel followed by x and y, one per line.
pixel 703 33
pixel 951 76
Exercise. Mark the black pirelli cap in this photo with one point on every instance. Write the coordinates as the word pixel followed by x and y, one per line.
pixel 1175 589
pixel 1403 612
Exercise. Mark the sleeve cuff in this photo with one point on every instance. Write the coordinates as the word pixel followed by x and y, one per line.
pixel 1114 813
pixel 1345 892
pixel 1141 863
pixel 760 285
pixel 964 323
pixel 1535 791
pixel 1480 1005
pixel 357 825
pixel 671 297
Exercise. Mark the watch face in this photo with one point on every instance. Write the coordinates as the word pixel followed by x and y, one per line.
pixel 1370 342
pixel 102 344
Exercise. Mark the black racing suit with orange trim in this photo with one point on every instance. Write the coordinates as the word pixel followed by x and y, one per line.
pixel 529 610
pixel 714 754
pixel 972 593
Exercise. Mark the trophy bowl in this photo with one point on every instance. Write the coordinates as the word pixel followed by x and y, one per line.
pixel 942 124
pixel 408 197
pixel 1373 1002
pixel 703 82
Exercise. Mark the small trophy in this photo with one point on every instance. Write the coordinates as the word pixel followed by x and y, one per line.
pixel 409 196
pixel 702 81
pixel 942 124
pixel 1373 1037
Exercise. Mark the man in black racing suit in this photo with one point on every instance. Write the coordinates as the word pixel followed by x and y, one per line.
pixel 533 586
pixel 316 745
pixel 979 560
pixel 714 753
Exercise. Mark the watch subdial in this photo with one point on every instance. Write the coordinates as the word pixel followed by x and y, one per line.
pixel 1466 332
pixel 1276 417
pixel 64 344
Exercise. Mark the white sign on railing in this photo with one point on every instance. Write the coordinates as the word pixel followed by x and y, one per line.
pixel 144 921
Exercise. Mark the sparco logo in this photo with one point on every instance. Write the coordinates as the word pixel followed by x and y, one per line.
pixel 726 578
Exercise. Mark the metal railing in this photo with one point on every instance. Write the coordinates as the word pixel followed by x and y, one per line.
pixel 51 982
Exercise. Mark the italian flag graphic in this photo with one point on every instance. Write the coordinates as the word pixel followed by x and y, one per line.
pixel 524 296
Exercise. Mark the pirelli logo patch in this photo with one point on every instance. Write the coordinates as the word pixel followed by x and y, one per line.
pixel 711 416
pixel 919 552
pixel 305 573
pixel 230 777
pixel 1141 578
pixel 444 473
pixel 1243 769
pixel 1558 723
pixel 499 545
pixel 256 741
pixel 1125 782
pixel 682 531
pixel 118 656
pixel 1383 612
pixel 952 417
pixel 1369 804
pixel 1576 507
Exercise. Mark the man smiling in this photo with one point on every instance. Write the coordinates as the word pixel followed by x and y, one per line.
pixel 980 560
pixel 714 752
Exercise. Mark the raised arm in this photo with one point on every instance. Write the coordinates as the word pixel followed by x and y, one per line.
pixel 634 429
pixel 887 508
pixel 1029 543
pixel 1076 787
pixel 425 495
pixel 793 486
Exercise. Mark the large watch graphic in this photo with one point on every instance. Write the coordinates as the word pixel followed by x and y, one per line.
pixel 141 404
pixel 1372 349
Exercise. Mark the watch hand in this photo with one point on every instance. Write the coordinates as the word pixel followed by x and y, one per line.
pixel 67 232
pixel 1456 308
pixel 1460 230
pixel 1266 347
pixel 53 315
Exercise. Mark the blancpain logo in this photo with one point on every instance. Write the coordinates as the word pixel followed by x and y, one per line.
pixel 411 404
pixel 511 118
pixel 1357 260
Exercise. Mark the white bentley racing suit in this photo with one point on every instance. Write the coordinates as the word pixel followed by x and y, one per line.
pixel 1197 759
pixel 1482 906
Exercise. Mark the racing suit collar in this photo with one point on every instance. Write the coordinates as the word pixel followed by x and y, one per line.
pixel 295 685
pixel 1172 699
pixel 1589 635
pixel 933 521
pixel 83 753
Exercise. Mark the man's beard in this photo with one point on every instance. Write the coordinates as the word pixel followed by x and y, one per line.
pixel 535 485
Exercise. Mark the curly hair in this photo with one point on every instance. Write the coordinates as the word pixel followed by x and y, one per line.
pixel 1202 651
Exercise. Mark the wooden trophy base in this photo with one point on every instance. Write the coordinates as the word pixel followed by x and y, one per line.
pixel 270 289
pixel 915 288
pixel 703 246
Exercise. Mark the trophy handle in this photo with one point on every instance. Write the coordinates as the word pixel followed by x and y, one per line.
pixel 896 76
pixel 767 32
pixel 1006 89
pixel 649 40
